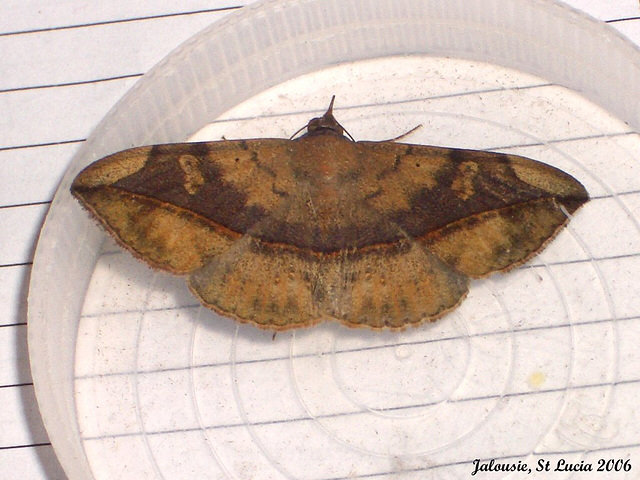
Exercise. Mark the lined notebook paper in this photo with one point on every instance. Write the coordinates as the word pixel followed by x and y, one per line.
pixel 63 67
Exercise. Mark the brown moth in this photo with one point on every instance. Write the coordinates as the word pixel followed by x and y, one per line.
pixel 287 233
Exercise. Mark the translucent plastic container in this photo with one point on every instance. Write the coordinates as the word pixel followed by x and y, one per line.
pixel 133 377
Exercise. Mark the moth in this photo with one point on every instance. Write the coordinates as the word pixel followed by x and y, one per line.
pixel 283 233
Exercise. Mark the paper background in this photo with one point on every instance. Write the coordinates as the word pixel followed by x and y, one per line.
pixel 62 68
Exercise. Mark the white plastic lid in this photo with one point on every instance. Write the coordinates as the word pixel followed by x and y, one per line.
pixel 133 377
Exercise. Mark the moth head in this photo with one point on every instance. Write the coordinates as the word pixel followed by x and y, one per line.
pixel 326 124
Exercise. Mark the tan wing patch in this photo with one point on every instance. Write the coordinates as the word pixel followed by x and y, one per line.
pixel 497 240
pixel 194 179
pixel 164 236
pixel 388 288
pixel 270 288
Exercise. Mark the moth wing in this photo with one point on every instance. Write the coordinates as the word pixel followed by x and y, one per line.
pixel 382 286
pixel 260 284
pixel 479 212
pixel 391 288
pixel 175 205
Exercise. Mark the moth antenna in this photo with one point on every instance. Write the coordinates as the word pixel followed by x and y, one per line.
pixel 405 134
pixel 297 132
pixel 348 134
